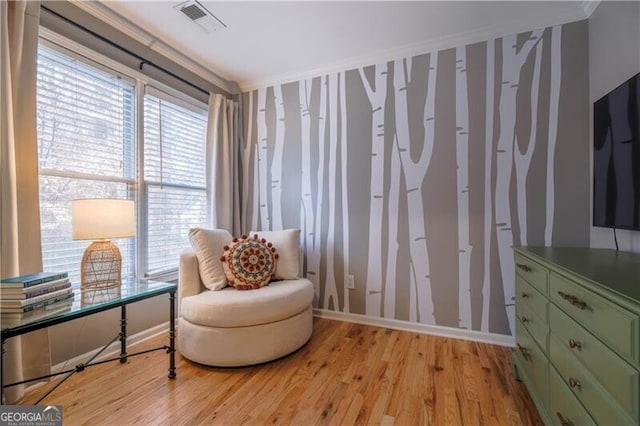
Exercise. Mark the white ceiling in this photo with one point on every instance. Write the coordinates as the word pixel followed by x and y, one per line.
pixel 267 42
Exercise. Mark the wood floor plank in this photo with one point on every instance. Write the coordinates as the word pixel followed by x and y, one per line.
pixel 347 374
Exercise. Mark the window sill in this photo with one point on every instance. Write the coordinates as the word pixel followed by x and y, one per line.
pixel 164 276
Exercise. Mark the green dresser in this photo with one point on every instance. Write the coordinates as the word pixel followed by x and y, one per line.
pixel 578 334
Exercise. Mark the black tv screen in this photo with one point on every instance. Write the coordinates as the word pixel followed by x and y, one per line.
pixel 616 157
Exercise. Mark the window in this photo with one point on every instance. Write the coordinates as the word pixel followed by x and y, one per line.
pixel 174 175
pixel 86 149
pixel 89 147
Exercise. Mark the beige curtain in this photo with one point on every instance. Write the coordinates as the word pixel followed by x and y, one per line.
pixel 222 164
pixel 27 356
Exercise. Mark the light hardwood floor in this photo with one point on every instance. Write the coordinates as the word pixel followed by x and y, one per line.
pixel 346 374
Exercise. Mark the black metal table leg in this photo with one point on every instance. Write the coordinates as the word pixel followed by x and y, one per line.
pixel 2 351
pixel 123 335
pixel 172 335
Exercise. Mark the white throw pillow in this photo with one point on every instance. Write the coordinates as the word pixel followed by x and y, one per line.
pixel 208 244
pixel 286 243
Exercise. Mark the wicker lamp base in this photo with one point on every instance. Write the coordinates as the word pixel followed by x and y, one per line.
pixel 101 266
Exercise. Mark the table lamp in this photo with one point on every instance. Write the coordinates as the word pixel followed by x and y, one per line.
pixel 101 219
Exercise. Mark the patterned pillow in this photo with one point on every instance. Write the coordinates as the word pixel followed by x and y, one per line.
pixel 249 263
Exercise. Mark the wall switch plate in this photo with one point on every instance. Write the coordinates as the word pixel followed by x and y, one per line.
pixel 350 281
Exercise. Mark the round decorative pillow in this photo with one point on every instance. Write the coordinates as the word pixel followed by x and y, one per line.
pixel 249 263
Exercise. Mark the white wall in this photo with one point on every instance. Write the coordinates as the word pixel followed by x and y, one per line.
pixel 614 57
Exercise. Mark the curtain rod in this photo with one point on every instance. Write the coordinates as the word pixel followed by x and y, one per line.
pixel 142 60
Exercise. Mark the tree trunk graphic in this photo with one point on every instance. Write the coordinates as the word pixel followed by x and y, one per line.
pixel 255 212
pixel 377 96
pixel 512 61
pixel 488 187
pixel 414 175
pixel 276 162
pixel 462 159
pixel 330 289
pixel 392 223
pixel 554 104
pixel 317 230
pixel 401 79
pixel 307 217
pixel 523 160
pixel 247 150
pixel 344 159
pixel 265 222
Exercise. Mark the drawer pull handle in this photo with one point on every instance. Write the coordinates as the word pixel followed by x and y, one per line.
pixel 573 344
pixel 525 295
pixel 574 383
pixel 523 267
pixel 524 352
pixel 524 319
pixel 563 420
pixel 573 300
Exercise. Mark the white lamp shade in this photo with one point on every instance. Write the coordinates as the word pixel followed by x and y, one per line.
pixel 102 218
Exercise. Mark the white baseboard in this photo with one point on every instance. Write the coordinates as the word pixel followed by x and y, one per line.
pixel 435 330
pixel 113 349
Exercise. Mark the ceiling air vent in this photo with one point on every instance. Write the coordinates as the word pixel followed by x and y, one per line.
pixel 198 14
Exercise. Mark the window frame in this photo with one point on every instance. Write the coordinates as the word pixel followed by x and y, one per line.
pixel 138 186
pixel 143 188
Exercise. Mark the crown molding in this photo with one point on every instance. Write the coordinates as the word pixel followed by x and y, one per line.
pixel 589 6
pixel 132 30
pixel 432 45
pixel 129 28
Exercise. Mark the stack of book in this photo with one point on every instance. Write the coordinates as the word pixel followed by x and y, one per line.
pixel 28 293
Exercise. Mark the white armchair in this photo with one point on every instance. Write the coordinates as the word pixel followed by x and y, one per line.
pixel 229 327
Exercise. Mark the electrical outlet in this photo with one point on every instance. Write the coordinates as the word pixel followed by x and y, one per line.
pixel 350 280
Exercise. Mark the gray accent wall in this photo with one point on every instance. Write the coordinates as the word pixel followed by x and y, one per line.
pixel 418 175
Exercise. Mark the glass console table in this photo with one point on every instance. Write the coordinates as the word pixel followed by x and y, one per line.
pixel 89 302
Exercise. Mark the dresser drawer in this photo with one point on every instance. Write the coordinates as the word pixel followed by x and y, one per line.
pixel 613 373
pixel 602 407
pixel 526 294
pixel 611 323
pixel 564 407
pixel 538 328
pixel 533 362
pixel 534 273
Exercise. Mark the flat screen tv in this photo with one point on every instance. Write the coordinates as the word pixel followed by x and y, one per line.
pixel 616 157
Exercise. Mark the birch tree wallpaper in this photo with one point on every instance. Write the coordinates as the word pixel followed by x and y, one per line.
pixel 418 175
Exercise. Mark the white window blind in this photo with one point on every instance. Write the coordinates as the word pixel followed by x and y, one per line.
pixel 174 177
pixel 86 148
